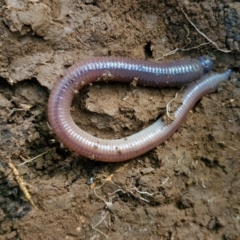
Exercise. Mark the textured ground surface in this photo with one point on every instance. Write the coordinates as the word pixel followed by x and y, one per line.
pixel 187 188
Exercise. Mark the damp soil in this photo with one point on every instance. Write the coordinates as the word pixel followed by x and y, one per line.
pixel 186 188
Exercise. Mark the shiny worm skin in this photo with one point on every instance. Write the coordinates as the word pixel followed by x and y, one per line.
pixel 145 73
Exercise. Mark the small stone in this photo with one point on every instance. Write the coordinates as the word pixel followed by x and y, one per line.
pixel 147 170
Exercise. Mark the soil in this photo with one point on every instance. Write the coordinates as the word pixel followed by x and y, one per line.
pixel 187 188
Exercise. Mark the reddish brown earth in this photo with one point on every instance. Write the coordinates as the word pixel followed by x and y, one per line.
pixel 187 188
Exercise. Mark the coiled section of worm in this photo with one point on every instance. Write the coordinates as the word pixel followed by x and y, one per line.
pixel 176 73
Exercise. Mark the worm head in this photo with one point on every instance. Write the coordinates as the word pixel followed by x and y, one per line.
pixel 207 63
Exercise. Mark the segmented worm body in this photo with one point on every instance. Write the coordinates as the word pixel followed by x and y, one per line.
pixel 176 73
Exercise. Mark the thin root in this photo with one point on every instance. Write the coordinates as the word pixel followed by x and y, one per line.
pixel 29 160
pixel 164 181
pixel 167 54
pixel 95 227
pixel 128 190
pixel 202 181
pixel 146 193
pixel 189 41
pixel 108 204
pixel 204 35
pixel 15 110
pixel 168 106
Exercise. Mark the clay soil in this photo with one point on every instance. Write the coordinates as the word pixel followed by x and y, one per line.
pixel 186 188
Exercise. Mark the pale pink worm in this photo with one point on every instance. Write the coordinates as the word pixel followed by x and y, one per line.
pixel 145 73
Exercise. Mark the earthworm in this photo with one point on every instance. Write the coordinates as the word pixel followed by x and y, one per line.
pixel 146 73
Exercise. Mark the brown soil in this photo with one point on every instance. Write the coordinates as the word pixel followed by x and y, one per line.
pixel 187 188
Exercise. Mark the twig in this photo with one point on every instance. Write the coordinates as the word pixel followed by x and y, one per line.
pixel 21 184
